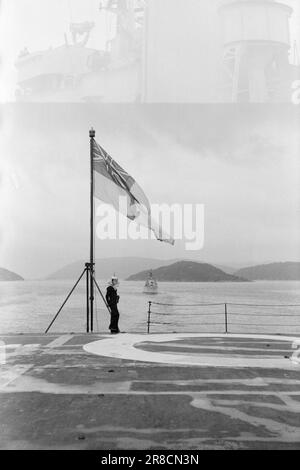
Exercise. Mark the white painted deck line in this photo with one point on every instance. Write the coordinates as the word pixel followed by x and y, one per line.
pixel 60 341
pixel 21 349
pixel 123 347
pixel 7 376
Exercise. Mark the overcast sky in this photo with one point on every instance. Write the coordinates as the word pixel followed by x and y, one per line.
pixel 242 162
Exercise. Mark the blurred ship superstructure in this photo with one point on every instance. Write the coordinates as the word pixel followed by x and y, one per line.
pixel 77 72
pixel 169 51
pixel 256 41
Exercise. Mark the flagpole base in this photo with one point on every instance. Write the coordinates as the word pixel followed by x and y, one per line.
pixel 90 279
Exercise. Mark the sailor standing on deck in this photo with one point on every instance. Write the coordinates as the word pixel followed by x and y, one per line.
pixel 112 298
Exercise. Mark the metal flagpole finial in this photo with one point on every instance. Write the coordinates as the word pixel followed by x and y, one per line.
pixel 92 133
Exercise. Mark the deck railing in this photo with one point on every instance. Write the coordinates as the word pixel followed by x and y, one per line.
pixel 225 315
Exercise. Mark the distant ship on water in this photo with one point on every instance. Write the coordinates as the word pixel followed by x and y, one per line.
pixel 151 286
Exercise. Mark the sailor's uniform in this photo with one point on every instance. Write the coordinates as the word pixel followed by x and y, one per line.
pixel 112 299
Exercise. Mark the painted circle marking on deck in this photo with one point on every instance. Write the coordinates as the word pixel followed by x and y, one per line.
pixel 124 347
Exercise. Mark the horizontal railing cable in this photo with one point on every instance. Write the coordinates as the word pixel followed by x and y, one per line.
pixel 186 314
pixel 223 303
pixel 186 305
pixel 263 324
pixel 264 305
pixel 264 314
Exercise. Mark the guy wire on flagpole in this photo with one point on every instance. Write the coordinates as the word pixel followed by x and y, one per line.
pixel 89 268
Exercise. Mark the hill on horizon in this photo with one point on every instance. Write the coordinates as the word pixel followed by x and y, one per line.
pixel 122 267
pixel 106 267
pixel 187 271
pixel 6 275
pixel 288 271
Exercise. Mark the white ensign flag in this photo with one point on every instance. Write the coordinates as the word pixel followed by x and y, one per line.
pixel 112 182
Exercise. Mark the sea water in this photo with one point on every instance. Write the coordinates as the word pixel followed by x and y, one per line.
pixel 256 307
pixel 264 306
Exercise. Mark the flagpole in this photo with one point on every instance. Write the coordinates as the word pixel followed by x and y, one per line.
pixel 89 267
pixel 92 134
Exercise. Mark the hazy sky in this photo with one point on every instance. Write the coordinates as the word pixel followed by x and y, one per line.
pixel 39 24
pixel 242 162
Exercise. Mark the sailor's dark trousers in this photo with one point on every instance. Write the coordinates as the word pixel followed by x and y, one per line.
pixel 114 318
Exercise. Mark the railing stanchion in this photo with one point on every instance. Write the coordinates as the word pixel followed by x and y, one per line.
pixel 149 318
pixel 226 319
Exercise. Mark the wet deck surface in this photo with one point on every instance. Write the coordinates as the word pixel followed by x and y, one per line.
pixel 57 395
